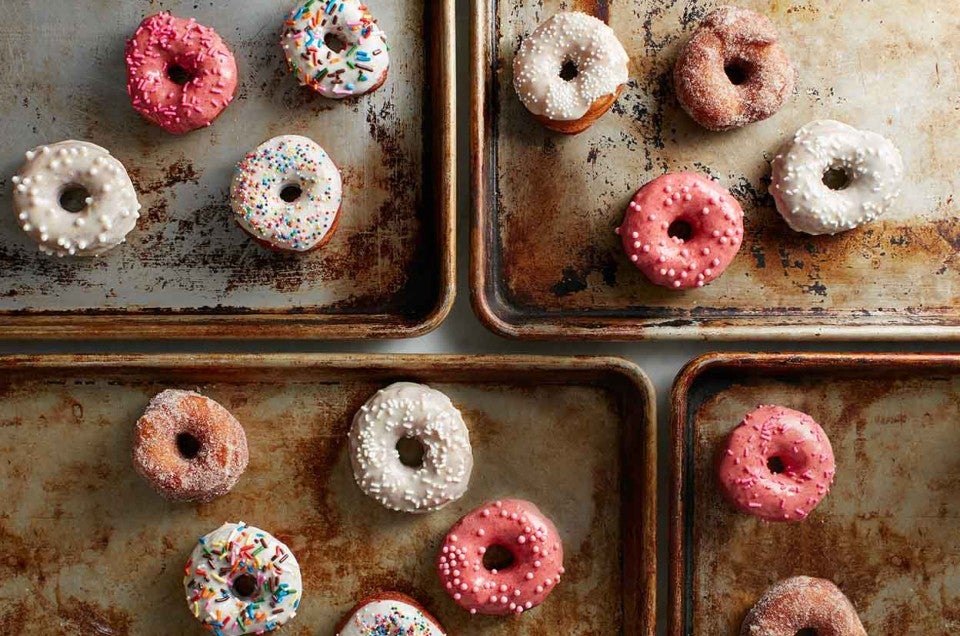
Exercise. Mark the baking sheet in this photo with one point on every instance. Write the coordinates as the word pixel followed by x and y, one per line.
pixel 187 269
pixel 886 533
pixel 86 547
pixel 546 263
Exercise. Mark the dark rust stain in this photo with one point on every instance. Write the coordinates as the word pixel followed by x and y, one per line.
pixel 180 171
pixel 84 618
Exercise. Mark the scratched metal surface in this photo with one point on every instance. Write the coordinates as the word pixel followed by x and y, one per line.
pixel 86 547
pixel 63 76
pixel 554 267
pixel 886 533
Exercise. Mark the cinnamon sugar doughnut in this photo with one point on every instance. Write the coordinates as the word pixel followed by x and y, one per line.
pixel 733 72
pixel 803 603
pixel 189 447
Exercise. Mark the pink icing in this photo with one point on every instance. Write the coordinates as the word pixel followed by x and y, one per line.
pixel 778 464
pixel 710 213
pixel 531 539
pixel 163 42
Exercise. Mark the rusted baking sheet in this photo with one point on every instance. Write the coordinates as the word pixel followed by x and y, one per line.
pixel 886 533
pixel 86 547
pixel 188 270
pixel 545 260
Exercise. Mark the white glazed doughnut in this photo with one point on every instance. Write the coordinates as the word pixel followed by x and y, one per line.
pixel 389 614
pixel 99 185
pixel 566 42
pixel 242 580
pixel 869 163
pixel 336 47
pixel 412 411
pixel 287 194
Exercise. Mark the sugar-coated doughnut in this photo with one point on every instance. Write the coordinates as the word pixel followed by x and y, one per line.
pixel 801 604
pixel 426 418
pixel 336 47
pixel 242 580
pixel 777 464
pixel 389 614
pixel 570 71
pixel 287 194
pixel 86 178
pixel 180 75
pixel 733 71
pixel 520 536
pixel 831 177
pixel 682 230
pixel 189 447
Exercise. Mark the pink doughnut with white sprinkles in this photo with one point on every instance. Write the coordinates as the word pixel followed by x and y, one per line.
pixel 682 230
pixel 505 557
pixel 180 75
pixel 777 465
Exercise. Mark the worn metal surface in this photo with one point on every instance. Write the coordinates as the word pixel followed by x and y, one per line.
pixel 86 547
pixel 886 533
pixel 546 262
pixel 187 269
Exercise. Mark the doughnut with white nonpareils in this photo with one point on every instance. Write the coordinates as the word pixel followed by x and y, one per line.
pixel 570 71
pixel 831 177
pixel 74 198
pixel 336 47
pixel 242 580
pixel 180 75
pixel 682 230
pixel 438 470
pixel 504 557
pixel 801 605
pixel 287 194
pixel 189 447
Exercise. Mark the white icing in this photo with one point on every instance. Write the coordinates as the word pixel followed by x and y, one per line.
pixel 588 43
pixel 261 176
pixel 389 617
pixel 111 210
pixel 221 558
pixel 355 70
pixel 871 161
pixel 416 411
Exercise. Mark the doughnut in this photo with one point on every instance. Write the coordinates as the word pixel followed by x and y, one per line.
pixel 336 48
pixel 570 71
pixel 389 614
pixel 682 230
pixel 74 199
pixel 803 604
pixel 287 194
pixel 180 75
pixel 733 72
pixel 831 177
pixel 242 580
pixel 777 464
pixel 504 557
pixel 189 447
pixel 407 416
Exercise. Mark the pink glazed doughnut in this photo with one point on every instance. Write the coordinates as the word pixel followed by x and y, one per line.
pixel 777 465
pixel 682 230
pixel 180 75
pixel 512 535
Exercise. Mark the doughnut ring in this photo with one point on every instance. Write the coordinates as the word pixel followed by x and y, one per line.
pixel 803 603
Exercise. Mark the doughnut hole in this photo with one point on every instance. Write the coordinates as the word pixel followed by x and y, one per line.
pixel 291 192
pixel 74 198
pixel 738 71
pixel 776 465
pixel 244 587
pixel 178 74
pixel 335 42
pixel 680 229
pixel 807 631
pixel 569 70
pixel 836 178
pixel 498 558
pixel 188 445
pixel 411 452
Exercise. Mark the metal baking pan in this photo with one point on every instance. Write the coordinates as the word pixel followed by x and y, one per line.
pixel 545 260
pixel 886 533
pixel 187 270
pixel 86 547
